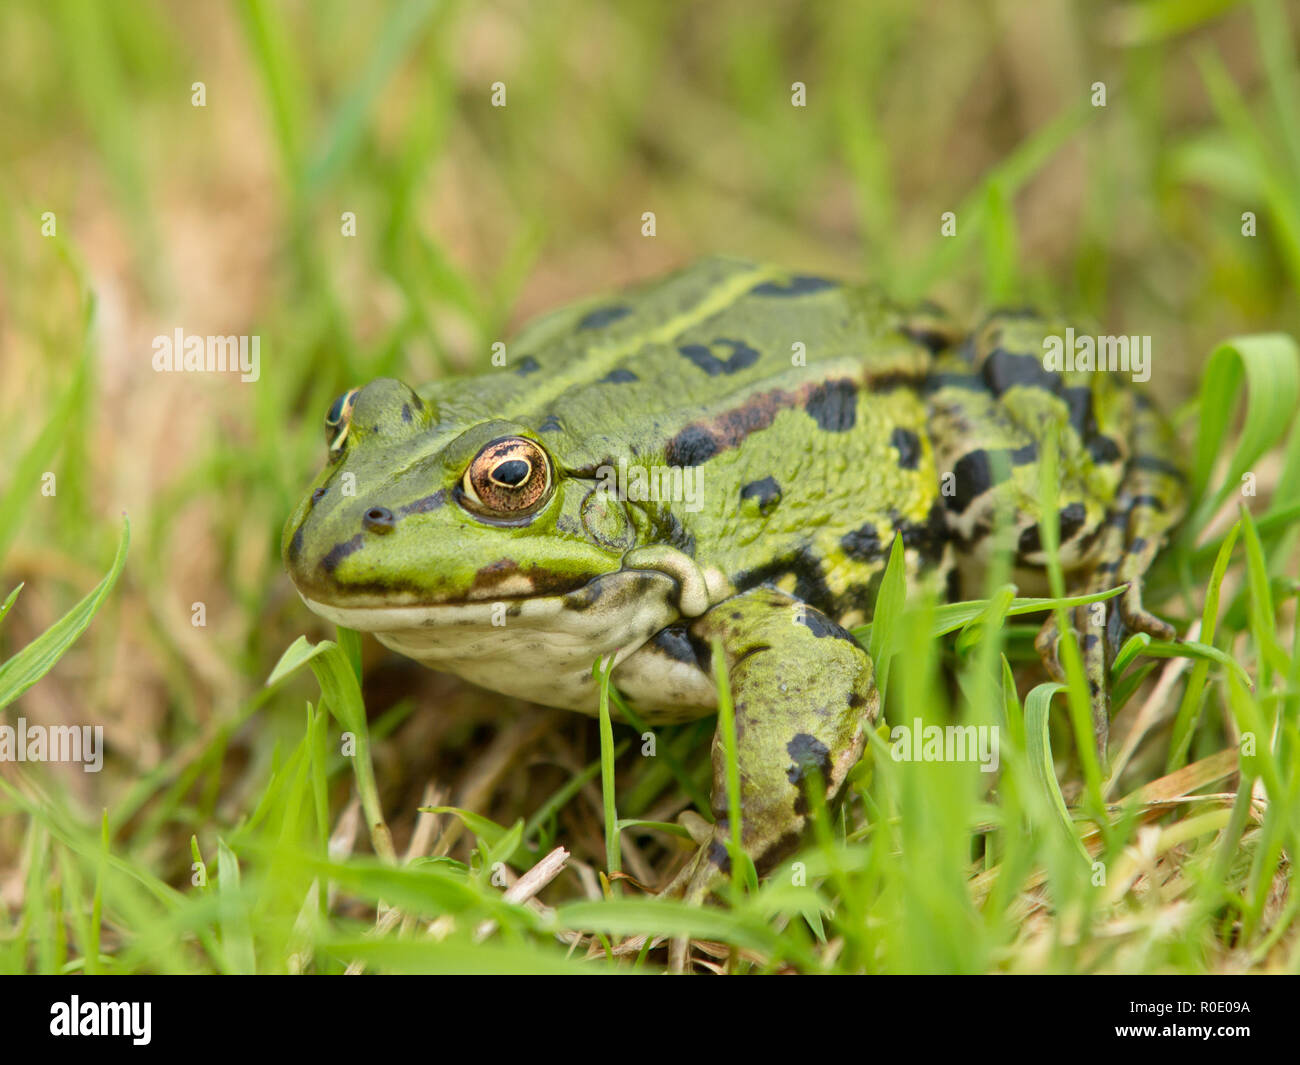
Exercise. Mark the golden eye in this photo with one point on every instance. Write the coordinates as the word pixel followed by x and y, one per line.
pixel 339 419
pixel 510 476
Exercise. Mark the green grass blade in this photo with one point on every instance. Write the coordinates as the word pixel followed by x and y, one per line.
pixel 36 659
pixel 613 858
pixel 1038 744
pixel 342 692
pixel 9 602
pixel 236 937
pixel 1270 366
pixel 400 35
pixel 890 599
pixel 26 472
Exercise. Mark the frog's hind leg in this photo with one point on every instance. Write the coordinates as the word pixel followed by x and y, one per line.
pixel 1120 486
pixel 1091 622
pixel 803 695
pixel 1150 501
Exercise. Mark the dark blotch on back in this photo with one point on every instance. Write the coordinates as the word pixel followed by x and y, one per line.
pixel 692 446
pixel 834 405
pixel 603 316
pixel 807 753
pixel 766 491
pixel 863 544
pixel 527 365
pixel 975 473
pixel 1003 370
pixel 618 377
pixel 1102 449
pixel 1079 400
pixel 1071 520
pixel 550 424
pixel 908 445
pixel 820 625
pixel 800 285
pixel 742 356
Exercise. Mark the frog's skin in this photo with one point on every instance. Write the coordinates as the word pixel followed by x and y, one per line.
pixel 466 525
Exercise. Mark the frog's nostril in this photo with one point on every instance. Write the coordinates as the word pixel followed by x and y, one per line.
pixel 316 495
pixel 379 519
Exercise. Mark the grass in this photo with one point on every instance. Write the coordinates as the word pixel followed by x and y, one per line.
pixel 279 802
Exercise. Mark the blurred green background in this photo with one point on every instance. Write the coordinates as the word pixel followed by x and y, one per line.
pixel 226 218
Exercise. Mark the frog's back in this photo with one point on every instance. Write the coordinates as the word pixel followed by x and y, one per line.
pixel 628 373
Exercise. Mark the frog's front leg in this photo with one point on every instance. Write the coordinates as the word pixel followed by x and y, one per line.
pixel 804 695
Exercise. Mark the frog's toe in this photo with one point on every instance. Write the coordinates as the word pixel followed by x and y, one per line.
pixel 1048 645
pixel 1138 619
pixel 700 875
pixel 706 870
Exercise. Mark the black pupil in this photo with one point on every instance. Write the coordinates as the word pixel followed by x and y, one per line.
pixel 512 472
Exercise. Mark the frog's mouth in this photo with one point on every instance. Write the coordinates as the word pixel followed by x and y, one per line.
pixel 664 579
pixel 602 596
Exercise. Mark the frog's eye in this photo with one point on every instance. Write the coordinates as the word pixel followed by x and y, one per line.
pixel 509 477
pixel 339 419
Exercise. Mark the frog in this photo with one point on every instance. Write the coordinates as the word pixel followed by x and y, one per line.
pixel 708 472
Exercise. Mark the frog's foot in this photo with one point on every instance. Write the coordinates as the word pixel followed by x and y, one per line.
pixel 803 697
pixel 1131 611
pixel 1093 626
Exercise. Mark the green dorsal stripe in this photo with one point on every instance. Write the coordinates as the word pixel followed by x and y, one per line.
pixel 597 361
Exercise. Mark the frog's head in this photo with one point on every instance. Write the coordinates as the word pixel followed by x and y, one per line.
pixel 429 519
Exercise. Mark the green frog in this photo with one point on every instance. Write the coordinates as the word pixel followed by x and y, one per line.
pixel 718 462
